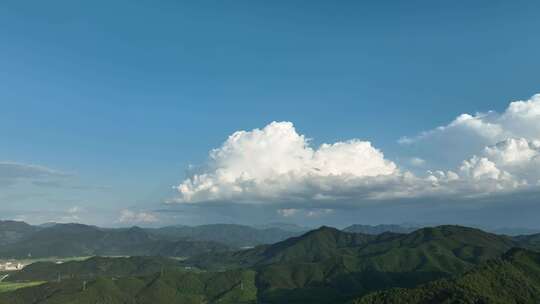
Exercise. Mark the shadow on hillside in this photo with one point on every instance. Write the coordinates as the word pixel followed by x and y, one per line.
pixel 346 287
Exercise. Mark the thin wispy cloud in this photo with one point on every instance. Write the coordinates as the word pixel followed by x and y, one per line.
pixel 13 172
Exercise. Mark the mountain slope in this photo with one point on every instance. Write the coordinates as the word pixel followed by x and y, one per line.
pixel 327 265
pixel 387 251
pixel 13 231
pixel 531 241
pixel 232 287
pixel 515 278
pixel 312 246
pixel 387 260
pixel 93 267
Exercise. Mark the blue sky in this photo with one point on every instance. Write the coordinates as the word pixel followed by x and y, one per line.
pixel 120 98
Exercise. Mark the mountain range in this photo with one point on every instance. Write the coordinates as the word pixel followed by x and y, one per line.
pixel 331 266
pixel 230 234
pixel 325 265
pixel 65 240
pixel 69 240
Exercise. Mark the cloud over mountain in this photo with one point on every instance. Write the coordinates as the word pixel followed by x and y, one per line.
pixel 468 134
pixel 275 164
pixel 500 147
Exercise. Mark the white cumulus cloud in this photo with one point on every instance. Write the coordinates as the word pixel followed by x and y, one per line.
pixel 276 163
pixel 517 156
pixel 492 153
pixel 468 134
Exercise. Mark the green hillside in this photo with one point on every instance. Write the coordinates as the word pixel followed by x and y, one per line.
pixel 367 264
pixel 93 267
pixel 13 231
pixel 529 241
pixel 312 246
pixel 513 279
pixel 446 248
pixel 232 287
pixel 327 265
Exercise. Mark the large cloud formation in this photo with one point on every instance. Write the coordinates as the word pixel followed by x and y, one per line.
pixel 467 134
pixel 504 146
pixel 276 164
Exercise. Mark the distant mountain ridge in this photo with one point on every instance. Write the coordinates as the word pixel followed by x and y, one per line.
pixel 284 226
pixel 67 240
pixel 410 227
pixel 230 234
pixel 13 231
pixel 20 239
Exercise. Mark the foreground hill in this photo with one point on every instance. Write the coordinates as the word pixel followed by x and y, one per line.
pixel 515 278
pixel 66 240
pixel 92 268
pixel 232 287
pixel 387 260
